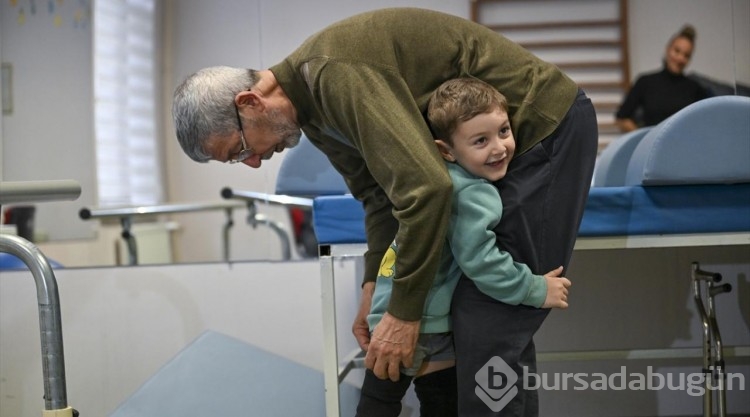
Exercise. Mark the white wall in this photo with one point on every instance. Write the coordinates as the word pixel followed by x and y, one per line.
pixel 49 134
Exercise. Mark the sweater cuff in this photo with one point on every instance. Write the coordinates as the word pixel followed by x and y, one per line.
pixel 406 306
pixel 372 265
pixel 537 292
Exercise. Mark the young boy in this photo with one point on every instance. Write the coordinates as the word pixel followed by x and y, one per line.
pixel 469 120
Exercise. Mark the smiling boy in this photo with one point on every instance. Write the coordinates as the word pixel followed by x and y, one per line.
pixel 469 119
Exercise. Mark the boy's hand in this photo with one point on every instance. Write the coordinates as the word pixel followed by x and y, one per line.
pixel 557 289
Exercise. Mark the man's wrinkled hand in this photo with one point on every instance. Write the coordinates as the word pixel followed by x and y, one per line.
pixel 392 344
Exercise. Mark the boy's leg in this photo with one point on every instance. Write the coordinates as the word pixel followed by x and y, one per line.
pixel 437 393
pixel 544 194
pixel 382 397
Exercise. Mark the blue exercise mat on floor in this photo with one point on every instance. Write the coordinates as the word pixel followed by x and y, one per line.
pixel 217 375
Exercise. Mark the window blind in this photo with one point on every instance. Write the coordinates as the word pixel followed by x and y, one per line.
pixel 125 96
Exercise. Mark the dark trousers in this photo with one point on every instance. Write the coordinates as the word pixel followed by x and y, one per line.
pixel 544 194
pixel 436 392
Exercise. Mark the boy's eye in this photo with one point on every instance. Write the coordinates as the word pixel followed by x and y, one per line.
pixel 480 141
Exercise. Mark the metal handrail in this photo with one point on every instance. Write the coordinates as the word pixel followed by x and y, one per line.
pixel 50 321
pixel 98 213
pixel 284 200
pixel 53 362
pixel 126 215
pixel 252 197
pixel 36 191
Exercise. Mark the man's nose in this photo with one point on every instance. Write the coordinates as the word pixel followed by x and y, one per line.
pixel 253 161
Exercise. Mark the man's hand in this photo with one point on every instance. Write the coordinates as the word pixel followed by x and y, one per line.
pixel 392 343
pixel 360 328
pixel 557 289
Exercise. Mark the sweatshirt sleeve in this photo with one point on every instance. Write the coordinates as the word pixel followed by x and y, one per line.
pixel 374 109
pixel 477 210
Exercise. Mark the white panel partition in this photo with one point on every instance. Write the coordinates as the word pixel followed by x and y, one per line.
pixel 122 325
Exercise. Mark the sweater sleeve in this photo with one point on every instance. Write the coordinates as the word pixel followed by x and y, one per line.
pixel 381 225
pixel 477 210
pixel 374 109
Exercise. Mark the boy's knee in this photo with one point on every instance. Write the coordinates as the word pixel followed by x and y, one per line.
pixel 385 390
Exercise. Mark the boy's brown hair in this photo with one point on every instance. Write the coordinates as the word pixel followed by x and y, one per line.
pixel 458 100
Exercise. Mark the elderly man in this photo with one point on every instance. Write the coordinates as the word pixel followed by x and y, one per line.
pixel 359 89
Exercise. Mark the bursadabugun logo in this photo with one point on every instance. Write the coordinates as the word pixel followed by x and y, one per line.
pixel 496 384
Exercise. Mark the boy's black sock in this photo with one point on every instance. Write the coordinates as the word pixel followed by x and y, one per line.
pixel 437 393
pixel 382 398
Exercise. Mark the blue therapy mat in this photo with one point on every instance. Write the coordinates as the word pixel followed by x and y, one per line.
pixel 610 211
pixel 217 375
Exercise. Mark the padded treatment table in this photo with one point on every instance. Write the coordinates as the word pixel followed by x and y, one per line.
pixel 610 211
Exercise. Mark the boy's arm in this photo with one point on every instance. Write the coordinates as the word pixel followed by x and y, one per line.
pixel 477 210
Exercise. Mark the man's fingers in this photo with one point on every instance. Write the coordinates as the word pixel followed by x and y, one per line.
pixel 360 328
pixel 391 344
pixel 363 342
pixel 384 361
pixel 380 368
pixel 394 371
pixel 369 360
pixel 407 360
pixel 362 336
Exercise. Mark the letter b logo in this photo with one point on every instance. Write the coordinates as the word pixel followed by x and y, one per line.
pixel 496 384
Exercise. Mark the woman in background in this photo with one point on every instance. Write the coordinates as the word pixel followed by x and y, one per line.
pixel 658 95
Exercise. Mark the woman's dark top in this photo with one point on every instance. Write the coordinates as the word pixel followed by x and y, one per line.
pixel 659 95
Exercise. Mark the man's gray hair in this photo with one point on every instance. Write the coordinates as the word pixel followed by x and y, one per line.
pixel 203 106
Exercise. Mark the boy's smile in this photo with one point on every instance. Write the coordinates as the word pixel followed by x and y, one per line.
pixel 482 145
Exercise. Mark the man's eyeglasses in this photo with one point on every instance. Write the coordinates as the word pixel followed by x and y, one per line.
pixel 245 152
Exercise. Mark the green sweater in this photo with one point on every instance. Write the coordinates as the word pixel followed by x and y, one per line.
pixel 361 87
pixel 469 249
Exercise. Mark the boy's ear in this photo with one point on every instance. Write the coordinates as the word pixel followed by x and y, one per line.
pixel 445 150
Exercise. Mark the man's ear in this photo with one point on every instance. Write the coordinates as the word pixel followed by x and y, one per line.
pixel 445 150
pixel 249 98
